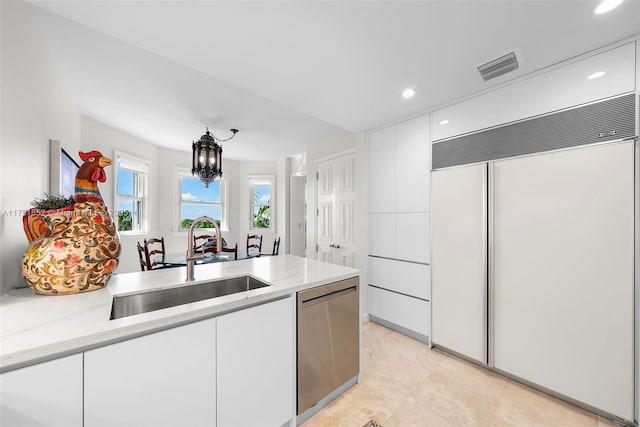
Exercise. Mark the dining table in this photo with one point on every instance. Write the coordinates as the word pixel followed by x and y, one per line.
pixel 179 259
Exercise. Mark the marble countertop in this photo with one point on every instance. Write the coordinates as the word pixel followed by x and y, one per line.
pixel 36 328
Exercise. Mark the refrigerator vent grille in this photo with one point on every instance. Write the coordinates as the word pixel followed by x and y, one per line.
pixel 498 67
pixel 602 121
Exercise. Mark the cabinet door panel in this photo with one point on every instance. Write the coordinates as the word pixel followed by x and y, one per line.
pixel 48 393
pixel 413 150
pixel 399 276
pixel 402 310
pixel 381 167
pixel 564 226
pixel 256 365
pixel 382 228
pixel 412 237
pixel 459 288
pixel 166 378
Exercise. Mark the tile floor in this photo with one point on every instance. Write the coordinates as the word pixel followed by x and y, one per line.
pixel 404 383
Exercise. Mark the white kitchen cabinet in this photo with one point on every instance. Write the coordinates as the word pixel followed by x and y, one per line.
pixel 48 393
pixel 412 237
pixel 382 240
pixel 399 162
pixel 256 365
pixel 548 91
pixel 398 167
pixel 404 277
pixel 402 310
pixel 401 236
pixel 166 378
pixel 381 170
pixel 412 165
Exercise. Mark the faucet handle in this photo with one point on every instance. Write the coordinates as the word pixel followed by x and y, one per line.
pixel 196 256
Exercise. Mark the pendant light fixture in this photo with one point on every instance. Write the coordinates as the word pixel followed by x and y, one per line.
pixel 207 157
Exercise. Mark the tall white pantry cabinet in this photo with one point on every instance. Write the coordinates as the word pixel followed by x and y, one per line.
pixel 398 204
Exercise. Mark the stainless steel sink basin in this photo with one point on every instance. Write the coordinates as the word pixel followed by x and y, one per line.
pixel 128 305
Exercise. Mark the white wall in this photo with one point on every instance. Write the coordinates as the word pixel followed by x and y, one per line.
pixel 107 140
pixel 35 107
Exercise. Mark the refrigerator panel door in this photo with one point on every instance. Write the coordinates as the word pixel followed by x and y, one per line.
pixel 459 260
pixel 563 277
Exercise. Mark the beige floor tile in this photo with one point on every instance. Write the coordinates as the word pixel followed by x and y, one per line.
pixel 398 366
pixel 380 333
pixel 458 370
pixel 404 383
pixel 379 399
pixel 456 394
pixel 521 405
pixel 340 413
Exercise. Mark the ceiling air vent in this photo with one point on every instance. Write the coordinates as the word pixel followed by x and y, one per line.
pixel 498 67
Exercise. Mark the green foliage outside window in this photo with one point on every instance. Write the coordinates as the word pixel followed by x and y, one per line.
pixel 186 223
pixel 261 210
pixel 262 218
pixel 125 221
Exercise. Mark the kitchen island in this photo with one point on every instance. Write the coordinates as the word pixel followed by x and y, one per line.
pixel 36 329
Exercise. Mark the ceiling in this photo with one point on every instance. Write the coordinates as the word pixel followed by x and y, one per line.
pixel 287 73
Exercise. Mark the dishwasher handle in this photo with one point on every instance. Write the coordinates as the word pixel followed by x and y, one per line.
pixel 326 297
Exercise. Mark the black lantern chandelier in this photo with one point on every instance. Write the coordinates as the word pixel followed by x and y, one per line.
pixel 207 157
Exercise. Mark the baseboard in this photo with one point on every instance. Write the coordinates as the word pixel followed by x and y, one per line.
pixel 365 318
pixel 400 329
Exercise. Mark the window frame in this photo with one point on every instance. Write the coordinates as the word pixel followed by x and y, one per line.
pixel 140 168
pixel 261 180
pixel 224 202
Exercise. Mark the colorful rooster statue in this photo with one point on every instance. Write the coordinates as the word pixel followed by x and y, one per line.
pixel 73 249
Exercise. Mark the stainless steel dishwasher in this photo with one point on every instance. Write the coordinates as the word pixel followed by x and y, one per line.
pixel 328 340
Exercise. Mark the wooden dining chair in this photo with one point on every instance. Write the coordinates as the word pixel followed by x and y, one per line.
pixel 142 257
pixel 206 243
pixel 254 245
pixel 276 248
pixel 234 250
pixel 154 253
pixel 202 243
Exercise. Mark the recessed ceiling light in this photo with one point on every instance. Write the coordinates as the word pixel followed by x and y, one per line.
pixel 596 75
pixel 444 122
pixel 408 93
pixel 607 5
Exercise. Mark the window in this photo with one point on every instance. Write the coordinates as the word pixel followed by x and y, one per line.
pixel 196 200
pixel 131 193
pixel 262 207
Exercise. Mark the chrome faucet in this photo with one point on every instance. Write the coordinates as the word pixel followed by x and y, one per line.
pixel 193 257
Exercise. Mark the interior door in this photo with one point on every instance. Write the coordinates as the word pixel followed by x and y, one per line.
pixel 563 273
pixel 459 260
pixel 336 211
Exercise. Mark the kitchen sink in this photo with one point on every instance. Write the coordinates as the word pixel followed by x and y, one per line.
pixel 128 305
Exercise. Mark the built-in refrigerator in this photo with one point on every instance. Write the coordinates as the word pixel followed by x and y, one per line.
pixel 533 266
